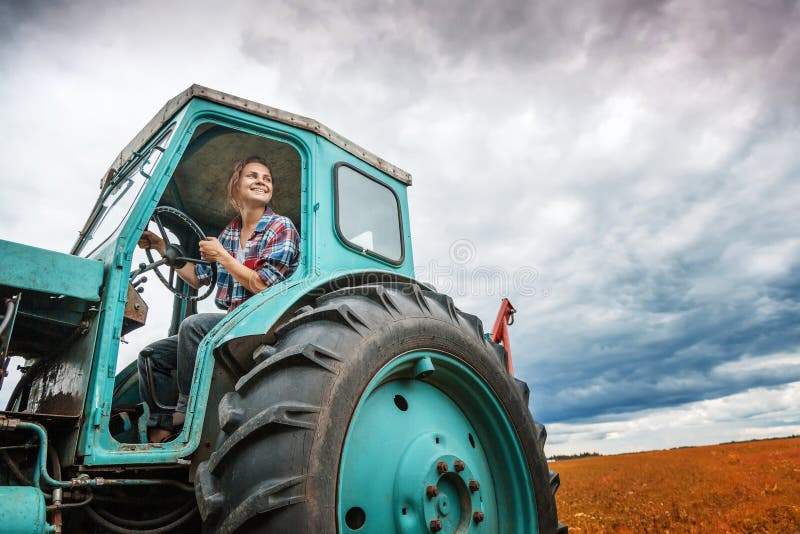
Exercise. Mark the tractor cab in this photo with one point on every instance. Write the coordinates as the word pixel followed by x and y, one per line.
pixel 80 348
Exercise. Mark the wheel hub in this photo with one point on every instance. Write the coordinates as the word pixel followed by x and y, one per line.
pixel 416 461
pixel 441 505
pixel 441 491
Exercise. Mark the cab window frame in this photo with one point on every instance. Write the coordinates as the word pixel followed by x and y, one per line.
pixel 337 210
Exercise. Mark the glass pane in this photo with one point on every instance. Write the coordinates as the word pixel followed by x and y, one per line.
pixel 115 209
pixel 120 196
pixel 368 213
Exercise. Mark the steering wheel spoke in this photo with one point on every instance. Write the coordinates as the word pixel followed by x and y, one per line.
pixel 155 218
pixel 149 267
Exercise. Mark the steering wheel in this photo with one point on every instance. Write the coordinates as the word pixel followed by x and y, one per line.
pixel 174 256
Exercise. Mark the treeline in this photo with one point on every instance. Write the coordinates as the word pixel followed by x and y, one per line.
pixel 558 457
pixel 793 436
pixel 736 442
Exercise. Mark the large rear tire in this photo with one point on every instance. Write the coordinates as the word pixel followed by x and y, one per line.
pixel 382 409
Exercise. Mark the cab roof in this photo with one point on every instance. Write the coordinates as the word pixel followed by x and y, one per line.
pixel 169 110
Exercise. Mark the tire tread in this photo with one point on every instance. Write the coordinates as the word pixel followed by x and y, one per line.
pixel 265 497
pixel 294 355
pixel 276 418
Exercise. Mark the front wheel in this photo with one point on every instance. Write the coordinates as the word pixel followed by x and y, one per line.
pixel 382 409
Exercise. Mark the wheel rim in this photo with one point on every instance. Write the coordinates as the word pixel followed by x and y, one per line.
pixel 432 454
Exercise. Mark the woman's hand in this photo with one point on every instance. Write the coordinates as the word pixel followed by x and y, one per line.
pixel 212 250
pixel 151 240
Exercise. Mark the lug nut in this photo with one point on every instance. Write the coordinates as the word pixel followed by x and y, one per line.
pixel 474 486
pixel 436 525
pixel 459 466
pixel 431 491
pixel 441 467
pixel 478 516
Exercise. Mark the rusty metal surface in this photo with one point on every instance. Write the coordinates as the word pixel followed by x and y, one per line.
pixel 135 311
pixel 61 421
pixel 54 391
pixel 61 377
pixel 198 91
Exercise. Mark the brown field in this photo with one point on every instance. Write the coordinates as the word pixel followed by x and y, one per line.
pixel 739 487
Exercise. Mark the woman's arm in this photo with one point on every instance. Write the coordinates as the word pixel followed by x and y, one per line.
pixel 187 272
pixel 212 250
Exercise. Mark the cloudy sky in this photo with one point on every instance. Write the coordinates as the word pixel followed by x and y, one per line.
pixel 625 171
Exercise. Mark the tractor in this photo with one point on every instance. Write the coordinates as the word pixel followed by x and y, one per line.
pixel 347 398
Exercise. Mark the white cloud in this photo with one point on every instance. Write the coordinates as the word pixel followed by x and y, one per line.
pixel 749 366
pixel 774 260
pixel 753 414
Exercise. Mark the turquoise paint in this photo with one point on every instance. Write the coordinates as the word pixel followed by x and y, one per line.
pixel 333 254
pixel 403 427
pixel 116 255
pixel 323 258
pixel 22 511
pixel 46 271
pixel 40 470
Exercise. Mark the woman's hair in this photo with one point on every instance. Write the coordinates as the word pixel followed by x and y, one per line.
pixel 236 175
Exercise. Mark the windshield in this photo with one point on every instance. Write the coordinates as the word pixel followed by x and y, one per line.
pixel 119 196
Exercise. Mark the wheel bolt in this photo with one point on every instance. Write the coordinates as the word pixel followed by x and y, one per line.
pixel 436 525
pixel 474 486
pixel 478 516
pixel 431 491
pixel 459 466
pixel 441 467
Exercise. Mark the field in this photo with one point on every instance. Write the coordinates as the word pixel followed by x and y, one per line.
pixel 738 487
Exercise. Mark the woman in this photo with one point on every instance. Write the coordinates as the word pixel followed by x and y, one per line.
pixel 267 255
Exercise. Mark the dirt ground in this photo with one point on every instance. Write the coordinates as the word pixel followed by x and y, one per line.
pixel 741 487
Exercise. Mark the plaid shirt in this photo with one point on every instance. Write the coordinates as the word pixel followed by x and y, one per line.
pixel 273 251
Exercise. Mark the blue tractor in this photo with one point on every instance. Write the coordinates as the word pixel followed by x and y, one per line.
pixel 347 398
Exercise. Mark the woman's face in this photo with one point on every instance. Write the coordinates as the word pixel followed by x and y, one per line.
pixel 255 186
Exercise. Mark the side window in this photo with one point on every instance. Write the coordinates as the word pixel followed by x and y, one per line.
pixel 368 214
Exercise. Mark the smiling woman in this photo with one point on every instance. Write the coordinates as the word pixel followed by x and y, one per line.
pixel 198 186
pixel 251 180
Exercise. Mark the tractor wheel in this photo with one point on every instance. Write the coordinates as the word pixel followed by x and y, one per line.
pixel 381 409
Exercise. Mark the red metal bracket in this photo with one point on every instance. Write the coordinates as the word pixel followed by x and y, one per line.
pixel 505 318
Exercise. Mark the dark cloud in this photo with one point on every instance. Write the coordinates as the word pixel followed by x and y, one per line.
pixel 645 362
pixel 405 42
pixel 12 14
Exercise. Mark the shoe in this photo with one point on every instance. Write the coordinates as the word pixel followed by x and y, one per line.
pixel 158 435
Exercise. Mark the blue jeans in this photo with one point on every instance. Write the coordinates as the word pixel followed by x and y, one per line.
pixel 172 364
